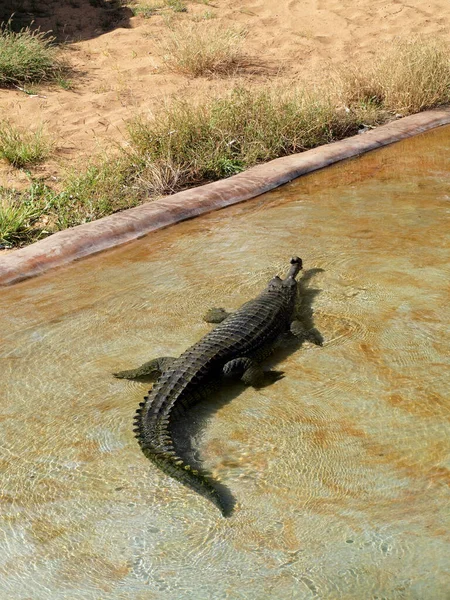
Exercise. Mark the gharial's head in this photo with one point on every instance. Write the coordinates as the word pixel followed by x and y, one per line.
pixel 288 285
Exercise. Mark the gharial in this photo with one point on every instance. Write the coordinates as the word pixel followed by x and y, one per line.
pixel 233 348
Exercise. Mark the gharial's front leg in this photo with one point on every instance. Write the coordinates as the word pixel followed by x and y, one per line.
pixel 216 315
pixel 153 368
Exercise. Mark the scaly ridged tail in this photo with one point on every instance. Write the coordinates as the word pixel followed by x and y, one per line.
pixel 164 456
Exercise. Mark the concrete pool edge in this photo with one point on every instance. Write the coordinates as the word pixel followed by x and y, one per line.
pixel 83 240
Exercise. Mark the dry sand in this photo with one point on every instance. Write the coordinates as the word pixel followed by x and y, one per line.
pixel 121 74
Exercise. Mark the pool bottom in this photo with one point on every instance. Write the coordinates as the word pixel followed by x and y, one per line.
pixel 339 470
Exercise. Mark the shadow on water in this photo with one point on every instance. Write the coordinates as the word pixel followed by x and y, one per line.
pixel 304 308
pixel 188 430
pixel 67 20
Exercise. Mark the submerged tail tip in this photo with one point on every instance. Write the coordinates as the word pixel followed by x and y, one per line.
pixel 227 511
pixel 226 508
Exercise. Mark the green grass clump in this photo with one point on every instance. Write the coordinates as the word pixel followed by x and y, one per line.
pixel 104 188
pixel 146 10
pixel 149 8
pixel 23 148
pixel 199 50
pixel 21 214
pixel 27 56
pixel 107 186
pixel 176 5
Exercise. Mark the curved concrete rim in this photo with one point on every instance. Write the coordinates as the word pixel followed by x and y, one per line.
pixel 71 244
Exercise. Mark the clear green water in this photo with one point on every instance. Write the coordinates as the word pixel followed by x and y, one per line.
pixel 340 470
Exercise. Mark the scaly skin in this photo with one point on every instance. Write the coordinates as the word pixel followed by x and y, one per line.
pixel 233 347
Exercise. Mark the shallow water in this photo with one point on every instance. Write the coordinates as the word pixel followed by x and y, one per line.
pixel 340 470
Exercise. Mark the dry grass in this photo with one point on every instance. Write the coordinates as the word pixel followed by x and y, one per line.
pixel 224 136
pixel 411 76
pixel 159 178
pixel 23 148
pixel 199 50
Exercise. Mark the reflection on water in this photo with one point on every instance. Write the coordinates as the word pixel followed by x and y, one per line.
pixel 340 469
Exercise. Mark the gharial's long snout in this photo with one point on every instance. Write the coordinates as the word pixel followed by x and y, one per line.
pixel 296 266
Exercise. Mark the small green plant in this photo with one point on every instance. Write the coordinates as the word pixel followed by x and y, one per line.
pixel 149 8
pixel 206 16
pixel 27 56
pixel 105 187
pixel 225 167
pixel 20 214
pixel 146 10
pixel 196 50
pixel 64 83
pixel 23 148
pixel 30 89
pixel 176 5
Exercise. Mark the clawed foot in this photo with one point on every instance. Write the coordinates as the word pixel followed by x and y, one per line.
pixel 314 336
pixel 309 335
pixel 262 379
pixel 271 376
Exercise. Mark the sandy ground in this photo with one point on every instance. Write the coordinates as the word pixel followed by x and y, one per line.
pixel 120 73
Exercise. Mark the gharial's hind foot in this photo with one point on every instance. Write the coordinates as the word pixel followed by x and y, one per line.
pixel 315 337
pixel 216 315
pixel 310 335
pixel 153 368
pixel 250 372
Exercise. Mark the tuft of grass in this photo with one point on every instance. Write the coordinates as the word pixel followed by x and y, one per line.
pixel 411 76
pixel 198 50
pixel 23 148
pixel 206 16
pixel 146 10
pixel 106 186
pixel 64 82
pixel 27 56
pixel 159 178
pixel 150 8
pixel 176 5
pixel 20 216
